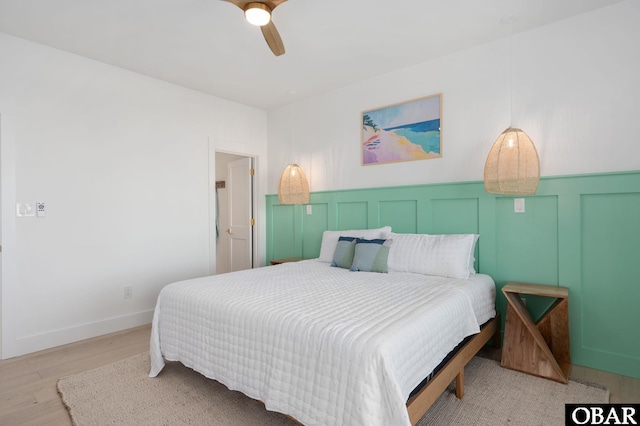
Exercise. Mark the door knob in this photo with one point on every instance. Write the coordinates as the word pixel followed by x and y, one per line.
pixel 229 231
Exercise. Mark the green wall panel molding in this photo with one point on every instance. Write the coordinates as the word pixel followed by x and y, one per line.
pixel 352 215
pixel 609 287
pixel 454 215
pixel 401 215
pixel 283 243
pixel 312 239
pixel 579 232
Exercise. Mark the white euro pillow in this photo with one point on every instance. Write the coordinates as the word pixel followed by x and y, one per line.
pixel 447 255
pixel 330 239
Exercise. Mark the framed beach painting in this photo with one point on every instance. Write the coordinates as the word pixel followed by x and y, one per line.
pixel 402 132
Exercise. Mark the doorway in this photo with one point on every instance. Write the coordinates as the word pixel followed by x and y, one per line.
pixel 234 212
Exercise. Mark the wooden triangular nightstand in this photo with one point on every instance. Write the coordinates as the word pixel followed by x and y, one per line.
pixel 541 348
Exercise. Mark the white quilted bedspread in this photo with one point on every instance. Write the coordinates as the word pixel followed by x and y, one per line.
pixel 324 345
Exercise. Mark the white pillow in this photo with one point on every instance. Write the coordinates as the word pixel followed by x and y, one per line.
pixel 448 255
pixel 472 259
pixel 330 239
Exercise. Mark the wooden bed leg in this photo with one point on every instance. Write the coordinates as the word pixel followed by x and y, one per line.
pixel 460 384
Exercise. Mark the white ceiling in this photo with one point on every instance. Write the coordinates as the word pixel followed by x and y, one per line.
pixel 207 45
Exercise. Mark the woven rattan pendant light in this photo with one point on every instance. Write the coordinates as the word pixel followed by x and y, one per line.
pixel 512 166
pixel 293 187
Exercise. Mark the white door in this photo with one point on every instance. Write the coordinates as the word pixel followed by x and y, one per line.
pixel 240 175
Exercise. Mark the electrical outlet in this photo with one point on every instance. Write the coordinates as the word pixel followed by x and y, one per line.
pixel 128 292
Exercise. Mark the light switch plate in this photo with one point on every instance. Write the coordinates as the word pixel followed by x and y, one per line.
pixel 518 205
pixel 309 209
pixel 25 210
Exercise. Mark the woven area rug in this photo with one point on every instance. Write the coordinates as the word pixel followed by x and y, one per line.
pixel 122 394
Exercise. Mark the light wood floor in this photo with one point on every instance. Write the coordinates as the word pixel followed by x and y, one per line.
pixel 28 394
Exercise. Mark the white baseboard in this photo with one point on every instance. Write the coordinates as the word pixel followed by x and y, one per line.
pixel 34 343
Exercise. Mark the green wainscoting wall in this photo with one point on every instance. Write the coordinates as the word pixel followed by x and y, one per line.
pixel 580 232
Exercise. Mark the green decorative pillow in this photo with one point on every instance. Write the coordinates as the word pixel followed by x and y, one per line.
pixel 371 255
pixel 343 256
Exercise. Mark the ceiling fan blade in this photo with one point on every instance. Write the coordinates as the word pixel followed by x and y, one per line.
pixel 273 38
pixel 274 3
pixel 240 3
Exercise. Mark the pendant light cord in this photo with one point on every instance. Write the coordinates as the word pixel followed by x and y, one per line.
pixel 511 68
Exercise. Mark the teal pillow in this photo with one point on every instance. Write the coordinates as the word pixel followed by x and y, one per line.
pixel 343 256
pixel 371 255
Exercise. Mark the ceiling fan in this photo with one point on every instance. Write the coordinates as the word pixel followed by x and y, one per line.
pixel 259 13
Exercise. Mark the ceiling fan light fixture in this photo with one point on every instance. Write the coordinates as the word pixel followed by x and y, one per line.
pixel 258 14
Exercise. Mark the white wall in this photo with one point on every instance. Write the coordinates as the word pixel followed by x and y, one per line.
pixel 575 92
pixel 122 163
pixel 122 160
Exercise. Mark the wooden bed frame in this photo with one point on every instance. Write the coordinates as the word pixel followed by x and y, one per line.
pixel 424 399
pixel 421 401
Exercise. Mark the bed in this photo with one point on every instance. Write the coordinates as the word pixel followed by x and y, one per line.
pixel 325 344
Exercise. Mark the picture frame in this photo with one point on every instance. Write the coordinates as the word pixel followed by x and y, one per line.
pixel 406 131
